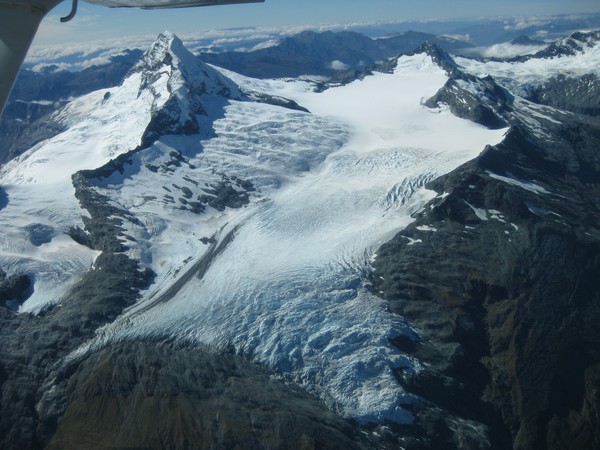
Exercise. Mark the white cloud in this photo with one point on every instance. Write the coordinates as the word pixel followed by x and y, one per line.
pixel 78 55
pixel 266 44
pixel 77 66
pixel 508 50
pixel 458 37
pixel 522 23
pixel 338 65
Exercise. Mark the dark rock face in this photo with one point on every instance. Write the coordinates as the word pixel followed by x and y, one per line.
pixel 577 42
pixel 15 288
pixel 505 294
pixel 145 395
pixel 576 94
pixel 480 100
pixel 223 194
pixel 486 106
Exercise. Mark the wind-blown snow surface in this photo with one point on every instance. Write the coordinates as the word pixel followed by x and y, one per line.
pixel 284 284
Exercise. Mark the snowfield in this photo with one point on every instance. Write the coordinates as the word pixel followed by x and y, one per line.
pixel 283 279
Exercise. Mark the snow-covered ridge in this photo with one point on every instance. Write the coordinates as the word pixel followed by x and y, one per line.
pixel 165 92
pixel 188 82
pixel 39 187
pixel 575 56
pixel 576 44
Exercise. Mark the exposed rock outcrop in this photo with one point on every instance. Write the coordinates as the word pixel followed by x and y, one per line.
pixel 148 395
pixel 499 275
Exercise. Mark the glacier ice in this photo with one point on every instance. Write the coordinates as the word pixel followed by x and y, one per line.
pixel 284 279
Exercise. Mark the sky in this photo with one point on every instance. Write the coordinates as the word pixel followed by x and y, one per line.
pixel 95 22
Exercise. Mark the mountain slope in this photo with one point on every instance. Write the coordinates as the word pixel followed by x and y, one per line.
pixel 144 395
pixel 206 225
pixel 250 226
pixel 156 95
pixel 36 95
pixel 167 88
pixel 506 322
pixel 565 75
pixel 307 53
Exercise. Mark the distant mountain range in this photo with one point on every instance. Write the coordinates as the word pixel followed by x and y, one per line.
pixel 311 53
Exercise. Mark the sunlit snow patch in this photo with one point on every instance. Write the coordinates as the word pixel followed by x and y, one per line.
pixel 39 187
pixel 524 184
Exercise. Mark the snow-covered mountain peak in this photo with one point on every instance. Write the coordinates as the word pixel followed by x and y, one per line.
pixel 168 92
pixel 576 43
pixel 179 83
pixel 168 55
pixel 439 56
pixel 160 53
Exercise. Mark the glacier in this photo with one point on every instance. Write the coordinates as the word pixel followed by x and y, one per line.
pixel 284 279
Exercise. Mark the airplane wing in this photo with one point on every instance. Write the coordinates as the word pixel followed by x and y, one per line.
pixel 156 4
pixel 19 21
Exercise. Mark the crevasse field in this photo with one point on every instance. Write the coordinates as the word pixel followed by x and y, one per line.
pixel 284 282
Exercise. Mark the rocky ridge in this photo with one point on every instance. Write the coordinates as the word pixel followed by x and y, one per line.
pixel 479 100
pixel 569 46
pixel 568 90
pixel 498 275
